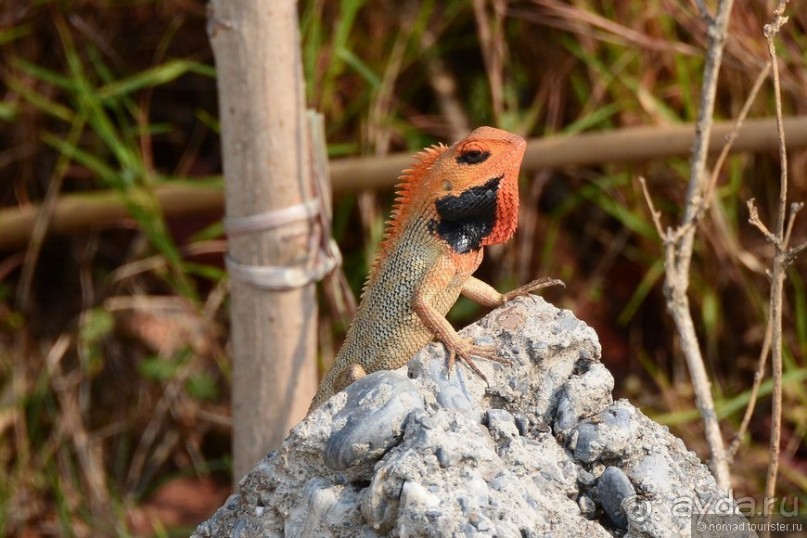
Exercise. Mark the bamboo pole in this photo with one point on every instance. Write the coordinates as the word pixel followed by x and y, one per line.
pixel 266 168
pixel 75 213
pixel 79 213
pixel 628 145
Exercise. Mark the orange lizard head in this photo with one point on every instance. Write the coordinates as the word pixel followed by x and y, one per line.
pixel 468 191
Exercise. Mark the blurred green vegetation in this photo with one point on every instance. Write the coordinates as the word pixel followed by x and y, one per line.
pixel 114 381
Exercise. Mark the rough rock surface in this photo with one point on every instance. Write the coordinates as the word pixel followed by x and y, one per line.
pixel 542 451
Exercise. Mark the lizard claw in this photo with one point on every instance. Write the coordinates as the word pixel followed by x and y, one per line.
pixel 533 286
pixel 466 350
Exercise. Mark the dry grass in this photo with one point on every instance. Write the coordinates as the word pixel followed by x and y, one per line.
pixel 113 370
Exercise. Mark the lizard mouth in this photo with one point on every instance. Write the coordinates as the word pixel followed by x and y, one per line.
pixel 466 219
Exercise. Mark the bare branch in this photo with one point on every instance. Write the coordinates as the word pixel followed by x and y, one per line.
pixel 752 399
pixel 770 33
pixel 732 136
pixel 794 252
pixel 753 218
pixel 778 274
pixel 704 11
pixel 656 215
pixel 795 207
pixel 680 244
pixel 494 49
pixel 445 87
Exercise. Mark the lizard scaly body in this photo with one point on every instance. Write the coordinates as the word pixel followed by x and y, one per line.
pixel 451 203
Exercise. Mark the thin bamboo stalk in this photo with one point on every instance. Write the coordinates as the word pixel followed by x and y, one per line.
pixel 76 213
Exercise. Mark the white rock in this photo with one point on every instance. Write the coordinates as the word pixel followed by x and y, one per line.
pixel 418 453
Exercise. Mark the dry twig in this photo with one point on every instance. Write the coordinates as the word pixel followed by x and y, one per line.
pixel 678 243
pixel 752 398
pixel 783 256
pixel 445 87
pixel 494 49
pixel 732 136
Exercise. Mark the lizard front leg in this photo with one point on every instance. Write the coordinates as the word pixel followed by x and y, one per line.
pixel 486 295
pixel 483 293
pixel 423 304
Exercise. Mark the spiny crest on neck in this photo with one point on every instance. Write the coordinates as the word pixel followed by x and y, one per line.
pixel 407 187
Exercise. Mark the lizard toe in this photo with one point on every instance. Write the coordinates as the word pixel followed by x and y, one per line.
pixel 465 353
pixel 532 287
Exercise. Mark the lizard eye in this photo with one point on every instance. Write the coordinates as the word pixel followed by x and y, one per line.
pixel 472 156
pixel 447 186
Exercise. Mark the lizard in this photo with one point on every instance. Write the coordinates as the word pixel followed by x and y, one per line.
pixel 451 203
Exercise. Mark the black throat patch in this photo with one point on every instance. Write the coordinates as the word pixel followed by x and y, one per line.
pixel 467 218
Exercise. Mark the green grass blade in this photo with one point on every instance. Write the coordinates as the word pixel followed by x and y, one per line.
pixel 46 75
pixel 40 101
pixel 648 282
pixel 360 67
pixel 8 111
pixel 727 407
pixel 86 159
pixel 150 78
pixel 7 35
pixel 591 120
